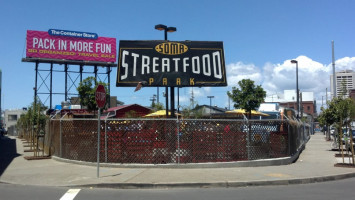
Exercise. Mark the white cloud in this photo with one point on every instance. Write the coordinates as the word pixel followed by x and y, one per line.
pixel 184 99
pixel 312 76
pixel 344 63
pixel 238 71
pixel 207 89
pixel 198 93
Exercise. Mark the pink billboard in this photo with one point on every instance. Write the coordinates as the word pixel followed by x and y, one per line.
pixel 40 44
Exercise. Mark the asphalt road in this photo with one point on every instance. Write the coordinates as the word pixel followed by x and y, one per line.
pixel 342 189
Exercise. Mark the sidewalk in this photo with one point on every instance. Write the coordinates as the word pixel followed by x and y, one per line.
pixel 315 164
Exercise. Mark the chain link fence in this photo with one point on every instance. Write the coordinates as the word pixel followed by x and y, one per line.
pixel 163 141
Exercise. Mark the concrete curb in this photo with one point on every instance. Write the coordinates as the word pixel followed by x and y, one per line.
pixel 251 163
pixel 223 184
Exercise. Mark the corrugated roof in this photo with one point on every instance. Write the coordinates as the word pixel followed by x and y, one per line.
pixel 118 107
pixel 123 106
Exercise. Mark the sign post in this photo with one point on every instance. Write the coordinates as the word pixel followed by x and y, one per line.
pixel 100 97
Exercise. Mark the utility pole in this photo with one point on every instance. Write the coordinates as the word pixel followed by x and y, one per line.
pixel 297 90
pixel 210 97
pixel 1 125
pixel 333 64
pixel 153 99
pixel 229 103
pixel 322 101
pixel 192 99
pixel 157 94
pixel 326 96
pixel 301 102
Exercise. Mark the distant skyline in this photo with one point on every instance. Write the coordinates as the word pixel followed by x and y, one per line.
pixel 260 38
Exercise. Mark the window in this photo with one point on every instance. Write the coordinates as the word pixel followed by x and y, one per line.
pixel 308 108
pixel 12 118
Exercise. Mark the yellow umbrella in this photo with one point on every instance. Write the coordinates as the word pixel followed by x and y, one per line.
pixel 159 113
pixel 243 112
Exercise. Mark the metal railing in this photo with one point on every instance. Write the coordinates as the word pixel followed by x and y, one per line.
pixel 159 141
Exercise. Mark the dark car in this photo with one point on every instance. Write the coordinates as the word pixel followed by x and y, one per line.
pixel 345 139
pixel 2 131
pixel 347 135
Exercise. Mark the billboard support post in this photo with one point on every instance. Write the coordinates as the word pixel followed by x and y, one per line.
pixel 95 72
pixel 81 73
pixel 51 87
pixel 66 82
pixel 35 88
pixel 108 72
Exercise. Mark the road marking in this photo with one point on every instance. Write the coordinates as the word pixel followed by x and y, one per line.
pixel 70 195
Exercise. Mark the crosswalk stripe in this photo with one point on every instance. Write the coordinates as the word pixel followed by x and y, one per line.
pixel 70 195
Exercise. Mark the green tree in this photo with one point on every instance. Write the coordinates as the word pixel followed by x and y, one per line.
pixel 327 118
pixel 157 106
pixel 340 113
pixel 87 89
pixel 34 118
pixel 248 97
pixel 343 90
pixel 345 113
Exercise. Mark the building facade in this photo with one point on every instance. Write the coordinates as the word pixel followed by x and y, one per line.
pixel 113 102
pixel 11 117
pixel 289 100
pixel 344 78
pixel 126 111
pixel 352 93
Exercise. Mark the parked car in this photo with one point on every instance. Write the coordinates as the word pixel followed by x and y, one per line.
pixel 3 131
pixel 347 136
pixel 345 139
pixel 332 131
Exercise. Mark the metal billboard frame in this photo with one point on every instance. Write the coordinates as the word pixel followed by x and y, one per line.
pixel 66 63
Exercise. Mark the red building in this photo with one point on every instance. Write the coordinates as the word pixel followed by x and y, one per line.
pixel 123 111
pixel 352 93
pixel 309 107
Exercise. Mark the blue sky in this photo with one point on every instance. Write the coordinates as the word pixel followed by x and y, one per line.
pixel 260 38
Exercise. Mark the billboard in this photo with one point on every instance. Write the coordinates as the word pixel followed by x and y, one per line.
pixel 171 63
pixel 70 45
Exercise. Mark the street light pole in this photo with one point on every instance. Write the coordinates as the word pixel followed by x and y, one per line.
pixel 297 91
pixel 210 97
pixel 334 78
pixel 166 29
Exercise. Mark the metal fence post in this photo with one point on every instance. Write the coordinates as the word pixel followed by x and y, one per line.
pixel 178 138
pixel 60 138
pixel 106 139
pixel 50 133
pixel 289 138
pixel 300 130
pixel 304 133
pixel 248 139
pixel 98 142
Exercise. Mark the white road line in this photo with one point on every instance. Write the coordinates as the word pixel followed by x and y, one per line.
pixel 70 195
